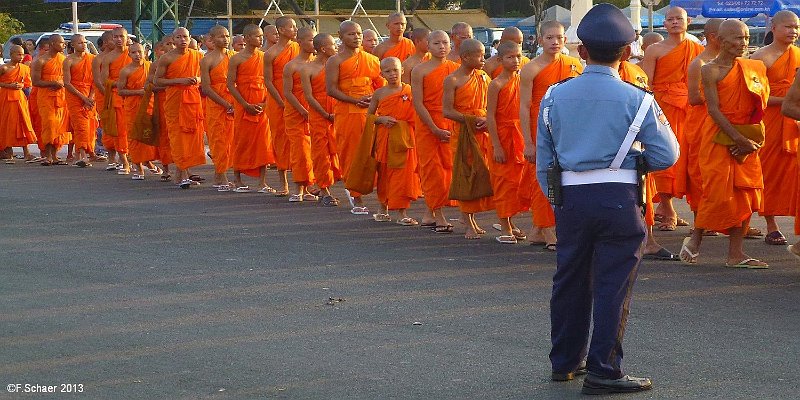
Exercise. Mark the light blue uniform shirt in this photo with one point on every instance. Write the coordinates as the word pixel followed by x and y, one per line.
pixel 589 116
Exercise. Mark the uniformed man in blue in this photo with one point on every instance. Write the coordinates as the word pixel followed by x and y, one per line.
pixel 594 130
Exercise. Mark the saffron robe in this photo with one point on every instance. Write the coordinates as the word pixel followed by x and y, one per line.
pixel 277 126
pixel 394 150
pixel 497 71
pixel 403 49
pixel 52 104
pixel 164 149
pixel 138 151
pixel 15 116
pixel 83 121
pixel 219 124
pixel 251 138
pixel 324 159
pixel 506 177
pixel 115 133
pixel 299 135
pixel 183 108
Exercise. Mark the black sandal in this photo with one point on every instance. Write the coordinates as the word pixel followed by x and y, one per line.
pixel 443 229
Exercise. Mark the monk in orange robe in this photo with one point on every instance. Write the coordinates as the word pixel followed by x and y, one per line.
pixel 778 156
pixel 275 59
pixel 295 113
pixel 666 64
pixel 42 49
pixel 507 161
pixel 535 78
pixel 78 80
pixel 131 86
pixel 433 131
pixel 460 32
pixel 14 114
pixel 370 41
pixel 396 45
pixel 493 66
pixel 271 36
pixel 219 105
pixel 324 160
pixel 420 38
pixel 115 132
pixel 47 73
pixel 251 138
pixel 159 95
pixel 351 76
pixel 105 46
pixel 464 93
pixel 736 93
pixel 179 71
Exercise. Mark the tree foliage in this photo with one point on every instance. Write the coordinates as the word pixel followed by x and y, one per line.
pixel 9 26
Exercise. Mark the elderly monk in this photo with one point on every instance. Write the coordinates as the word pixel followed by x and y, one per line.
pixel 665 64
pixel 14 114
pixel 78 80
pixel 325 161
pixel 420 38
pixel 392 116
pixel 274 60
pixel 296 116
pixel 219 104
pixel 736 92
pixel 48 75
pixel 464 94
pixel 370 41
pixel 433 131
pixel 238 43
pixel 535 78
pixel 507 161
pixel 460 32
pixel 112 119
pixel 179 71
pixel 351 76
pixel 791 109
pixel 131 86
pixel 397 45
pixel 42 49
pixel 779 154
pixel 271 36
pixel 159 95
pixel 493 66
pixel 251 138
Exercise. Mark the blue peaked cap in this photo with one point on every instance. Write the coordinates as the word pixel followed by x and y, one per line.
pixel 605 26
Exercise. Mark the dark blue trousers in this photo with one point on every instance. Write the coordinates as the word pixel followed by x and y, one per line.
pixel 600 233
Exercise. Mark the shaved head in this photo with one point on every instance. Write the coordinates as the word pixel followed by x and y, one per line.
pixel 712 26
pixel 783 16
pixel 370 33
pixel 512 34
pixel 651 38
pixel 217 30
pixel 270 29
pixel 395 16
pixel 507 47
pixel 675 11
pixel 76 37
pixel 460 27
pixel 320 40
pixel 251 29
pixel 550 25
pixel 438 34
pixel 305 33
pixel 283 21
pixel 181 30
pixel 420 34
pixel 347 25
pixel 730 28
pixel 389 61
pixel 55 39
pixel 470 46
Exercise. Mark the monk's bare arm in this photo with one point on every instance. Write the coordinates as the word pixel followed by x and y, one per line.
pixel 693 78
pixel 418 100
pixel 161 70
pixel 448 100
pixel 648 64
pixel 491 122
pixel 205 85
pixel 526 77
pixel 711 76
pixel 36 76
pixel 123 81
pixel 97 74
pixel 288 86
pixel 332 82
pixel 308 93
pixel 791 103
pixel 271 89
pixel 12 85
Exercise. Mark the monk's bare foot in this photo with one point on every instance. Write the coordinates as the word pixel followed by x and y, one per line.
pixel 480 230
pixel 746 262
pixel 471 234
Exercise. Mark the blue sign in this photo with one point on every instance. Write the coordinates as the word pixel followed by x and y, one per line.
pixel 693 7
pixel 82 1
pixel 736 8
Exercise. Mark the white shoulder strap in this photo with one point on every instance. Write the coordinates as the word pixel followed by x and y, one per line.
pixel 633 130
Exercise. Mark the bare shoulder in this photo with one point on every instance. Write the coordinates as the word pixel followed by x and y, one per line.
pixel 531 69
pixel 497 83
pixel 380 93
pixel 335 60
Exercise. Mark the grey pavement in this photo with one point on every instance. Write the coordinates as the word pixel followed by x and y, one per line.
pixel 140 290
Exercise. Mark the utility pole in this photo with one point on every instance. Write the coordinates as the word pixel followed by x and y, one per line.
pixel 155 12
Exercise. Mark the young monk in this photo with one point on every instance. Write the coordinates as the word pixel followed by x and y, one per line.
pixel 48 75
pixel 665 64
pixel 535 78
pixel 325 161
pixel 14 114
pixel 736 92
pixel 115 133
pixel 275 59
pixel 251 138
pixel 106 46
pixel 433 131
pixel 131 87
pixel 179 71
pixel 493 66
pixel 420 38
pixel 271 36
pixel 41 49
pixel 460 32
pixel 507 161
pixel 370 41
pixel 392 113
pixel 397 45
pixel 464 94
pixel 778 156
pixel 296 116
pixel 80 98
pixel 164 149
pixel 351 76
pixel 219 104
pixel 238 43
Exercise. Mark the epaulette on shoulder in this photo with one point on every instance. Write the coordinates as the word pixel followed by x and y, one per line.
pixel 550 89
pixel 638 87
pixel 562 81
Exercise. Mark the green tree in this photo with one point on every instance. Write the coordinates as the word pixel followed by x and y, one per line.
pixel 9 26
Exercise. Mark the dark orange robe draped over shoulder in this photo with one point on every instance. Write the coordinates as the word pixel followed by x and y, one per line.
pixel 219 124
pixel 15 118
pixel 251 146
pixel 52 104
pixel 398 185
pixel 497 71
pixel 506 177
pixel 119 141
pixel 324 159
pixel 184 111
pixel 277 125
pixel 403 49
pixel 138 151
pixel 83 121
pixel 298 133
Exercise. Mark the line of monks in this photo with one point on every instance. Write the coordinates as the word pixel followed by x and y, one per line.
pixel 415 117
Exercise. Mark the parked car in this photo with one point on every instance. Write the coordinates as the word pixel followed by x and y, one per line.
pixel 92 34
pixel 487 36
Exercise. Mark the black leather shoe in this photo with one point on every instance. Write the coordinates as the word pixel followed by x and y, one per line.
pixel 568 376
pixel 627 384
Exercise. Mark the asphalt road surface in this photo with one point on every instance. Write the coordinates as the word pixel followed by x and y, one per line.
pixel 117 289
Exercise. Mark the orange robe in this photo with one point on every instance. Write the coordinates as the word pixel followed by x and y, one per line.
pixel 251 138
pixel 359 76
pixel 299 135
pixel 36 121
pixel 138 151
pixel 277 126
pixel 562 68
pixel 52 104
pixel 435 156
pixel 470 99
pixel 672 94
pixel 403 49
pixel 397 187
pixel 164 149
pixel 83 121
pixel 15 118
pixel 506 177
pixel 324 159
pixel 497 71
pixel 219 124
pixel 732 191
pixel 184 112
pixel 779 153
pixel 118 143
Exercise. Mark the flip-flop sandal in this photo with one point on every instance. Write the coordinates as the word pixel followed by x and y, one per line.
pixel 266 189
pixel 428 224
pixel 407 221
pixel 359 211
pixel 111 167
pixel 281 193
pixel 81 164
pixel 750 263
pixel 382 217
pixel 775 238
pixel 224 188
pixel 667 225
pixel 329 201
pixel 506 239
pixel 295 198
pixel 790 249
pixel 443 229
pixel 46 163
pixel 185 184
pixel 310 197
pixel 753 233
pixel 137 177
pixel 165 178
pixel 662 254
pixel 681 222
pixel 550 247
pixel 686 256
pixel 243 189
pixel 9 161
pixel 197 178
pixel 123 172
